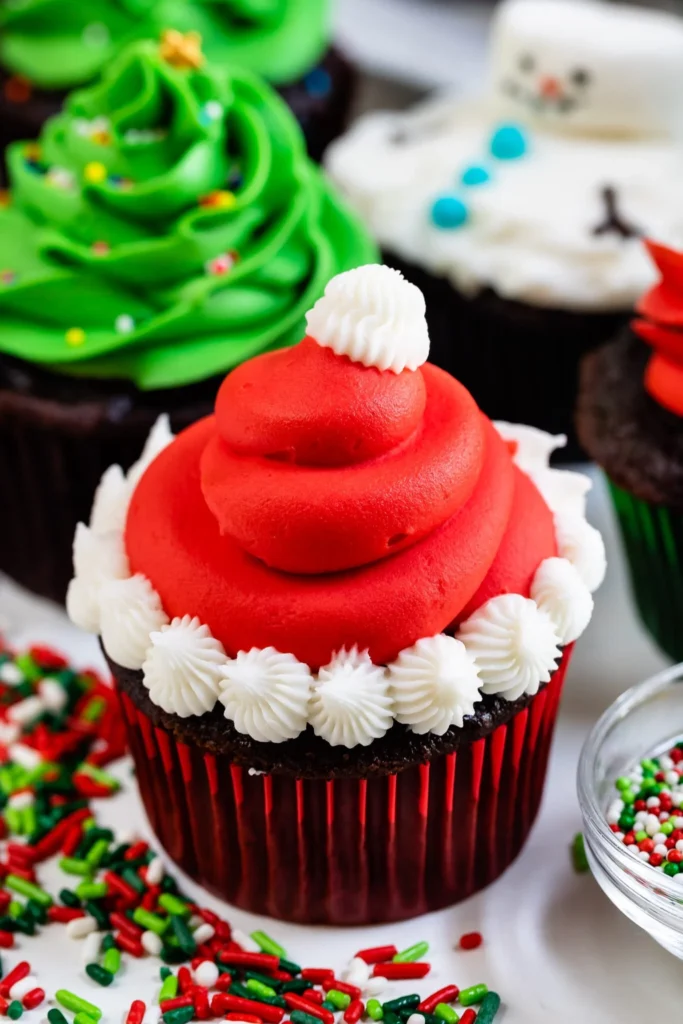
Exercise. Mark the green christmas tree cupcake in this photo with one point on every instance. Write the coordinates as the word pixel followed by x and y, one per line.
pixel 48 47
pixel 166 226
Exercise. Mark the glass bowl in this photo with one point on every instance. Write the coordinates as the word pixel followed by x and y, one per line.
pixel 644 722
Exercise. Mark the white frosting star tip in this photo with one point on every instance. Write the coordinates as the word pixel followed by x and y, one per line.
pixel 373 316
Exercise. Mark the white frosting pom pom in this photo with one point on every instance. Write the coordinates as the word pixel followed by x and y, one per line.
pixel 373 316
pixel 583 546
pixel 533 447
pixel 130 611
pixel 160 436
pixel 83 606
pixel 98 559
pixel 514 645
pixel 559 591
pixel 434 684
pixel 350 705
pixel 564 490
pixel 110 504
pixel 183 666
pixel 266 694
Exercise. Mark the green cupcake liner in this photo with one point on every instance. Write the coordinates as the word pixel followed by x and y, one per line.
pixel 653 539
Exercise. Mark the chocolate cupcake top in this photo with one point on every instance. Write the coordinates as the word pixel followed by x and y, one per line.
pixel 631 399
pixel 347 541
pixel 167 225
pixel 542 187
pixel 59 44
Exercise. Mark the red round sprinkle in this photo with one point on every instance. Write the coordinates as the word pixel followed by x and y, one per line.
pixel 471 940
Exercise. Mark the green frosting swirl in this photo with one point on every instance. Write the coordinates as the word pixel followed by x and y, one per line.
pixel 126 253
pixel 59 44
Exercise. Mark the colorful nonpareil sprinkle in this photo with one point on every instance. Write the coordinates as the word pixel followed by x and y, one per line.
pixel 59 731
pixel 646 815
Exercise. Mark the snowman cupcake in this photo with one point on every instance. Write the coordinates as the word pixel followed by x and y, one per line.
pixel 520 213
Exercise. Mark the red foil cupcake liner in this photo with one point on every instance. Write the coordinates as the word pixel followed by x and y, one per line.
pixel 348 851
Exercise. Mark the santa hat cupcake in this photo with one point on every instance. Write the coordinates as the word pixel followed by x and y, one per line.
pixel 339 613
pixel 630 420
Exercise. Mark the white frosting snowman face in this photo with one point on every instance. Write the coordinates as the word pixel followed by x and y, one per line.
pixel 588 66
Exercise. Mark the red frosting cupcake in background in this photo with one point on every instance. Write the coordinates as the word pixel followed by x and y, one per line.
pixel 339 614
pixel 630 419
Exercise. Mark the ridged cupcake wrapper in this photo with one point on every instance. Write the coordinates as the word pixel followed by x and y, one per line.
pixel 653 539
pixel 348 851
pixel 48 481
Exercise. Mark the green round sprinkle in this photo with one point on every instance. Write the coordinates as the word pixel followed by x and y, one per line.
pixel 671 869
pixel 99 974
pixel 628 796
pixel 340 1000
pixel 666 828
pixel 70 1001
pixel 412 953
pixel 15 1010
pixel 490 1005
pixel 640 836
pixel 473 994
pixel 268 945
pixel 374 1009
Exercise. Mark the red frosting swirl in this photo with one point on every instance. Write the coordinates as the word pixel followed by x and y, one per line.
pixel 328 504
pixel 662 327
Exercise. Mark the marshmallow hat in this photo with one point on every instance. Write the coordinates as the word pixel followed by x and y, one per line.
pixel 589 66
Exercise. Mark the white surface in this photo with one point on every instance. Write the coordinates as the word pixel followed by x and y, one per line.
pixel 427 43
pixel 555 948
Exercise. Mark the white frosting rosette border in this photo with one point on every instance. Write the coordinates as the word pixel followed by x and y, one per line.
pixel 510 646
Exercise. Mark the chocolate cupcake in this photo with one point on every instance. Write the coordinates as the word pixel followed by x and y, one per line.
pixel 629 420
pixel 519 213
pixel 167 226
pixel 339 613
pixel 49 48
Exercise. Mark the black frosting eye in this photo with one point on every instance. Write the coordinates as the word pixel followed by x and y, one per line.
pixel 580 77
pixel 526 62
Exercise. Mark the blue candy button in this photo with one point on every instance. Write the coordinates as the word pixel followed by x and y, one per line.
pixel 449 212
pixel 475 175
pixel 508 142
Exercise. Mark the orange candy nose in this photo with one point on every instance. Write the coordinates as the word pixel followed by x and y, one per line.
pixel 550 87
